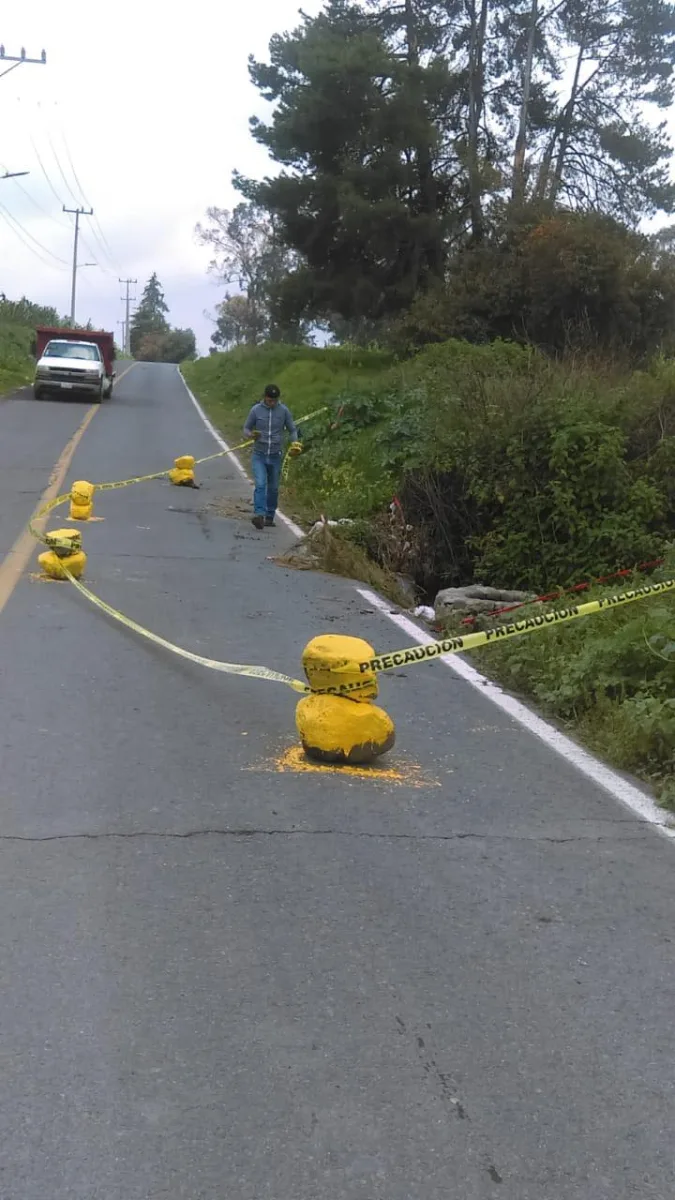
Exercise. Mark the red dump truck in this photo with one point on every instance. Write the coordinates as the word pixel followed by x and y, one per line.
pixel 74 360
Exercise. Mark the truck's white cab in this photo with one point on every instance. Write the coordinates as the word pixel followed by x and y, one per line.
pixel 71 366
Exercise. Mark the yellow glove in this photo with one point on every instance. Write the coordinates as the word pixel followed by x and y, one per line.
pixel 295 448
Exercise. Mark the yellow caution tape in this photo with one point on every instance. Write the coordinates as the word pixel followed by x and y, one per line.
pixel 122 483
pixel 288 455
pixel 546 620
pixel 310 416
pixel 114 485
pixel 41 514
pixel 212 663
pixel 386 662
pixel 425 652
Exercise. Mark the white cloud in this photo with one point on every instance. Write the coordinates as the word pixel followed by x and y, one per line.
pixel 150 113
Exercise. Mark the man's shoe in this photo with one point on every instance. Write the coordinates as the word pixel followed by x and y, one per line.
pixel 259 522
pixel 269 521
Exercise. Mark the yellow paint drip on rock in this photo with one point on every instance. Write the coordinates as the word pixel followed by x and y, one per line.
pixel 333 729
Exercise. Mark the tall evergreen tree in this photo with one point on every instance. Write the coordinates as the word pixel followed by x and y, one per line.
pixel 601 152
pixel 149 317
pixel 410 132
pixel 363 194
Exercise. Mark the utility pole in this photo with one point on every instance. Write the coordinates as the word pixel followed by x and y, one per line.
pixel 17 60
pixel 77 212
pixel 124 333
pixel 125 324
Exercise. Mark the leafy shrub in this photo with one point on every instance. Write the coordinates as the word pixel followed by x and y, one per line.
pixel 511 470
pixel 610 676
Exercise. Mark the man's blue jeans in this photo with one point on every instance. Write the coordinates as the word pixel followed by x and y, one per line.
pixel 266 472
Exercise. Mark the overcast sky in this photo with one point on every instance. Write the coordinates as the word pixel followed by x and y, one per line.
pixel 141 114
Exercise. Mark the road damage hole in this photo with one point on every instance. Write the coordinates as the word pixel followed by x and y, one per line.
pixel 235 509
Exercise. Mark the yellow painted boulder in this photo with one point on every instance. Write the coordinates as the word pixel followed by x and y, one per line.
pixel 336 730
pixel 82 500
pixel 182 474
pixel 332 662
pixel 53 564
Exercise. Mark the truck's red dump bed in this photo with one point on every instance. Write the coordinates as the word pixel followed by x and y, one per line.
pixel 104 341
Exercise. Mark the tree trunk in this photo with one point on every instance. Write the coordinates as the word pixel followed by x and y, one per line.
pixel 519 181
pixel 476 102
pixel 430 253
pixel 548 182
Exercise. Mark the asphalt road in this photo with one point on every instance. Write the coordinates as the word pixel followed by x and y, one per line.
pixel 227 981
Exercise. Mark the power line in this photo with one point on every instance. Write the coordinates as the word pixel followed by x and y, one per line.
pixel 7 218
pixel 27 233
pixel 72 167
pixel 88 248
pixel 102 266
pixel 105 245
pixel 58 197
pixel 62 172
pixel 40 207
pixel 44 172
pixel 102 248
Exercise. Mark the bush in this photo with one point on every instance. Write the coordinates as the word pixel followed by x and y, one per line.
pixel 508 469
pixel 563 281
pixel 18 319
pixel 611 677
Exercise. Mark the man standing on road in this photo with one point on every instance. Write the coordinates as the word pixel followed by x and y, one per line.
pixel 266 423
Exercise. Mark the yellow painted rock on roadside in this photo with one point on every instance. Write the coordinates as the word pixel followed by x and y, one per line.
pixel 336 730
pixel 82 500
pixel 52 564
pixel 332 660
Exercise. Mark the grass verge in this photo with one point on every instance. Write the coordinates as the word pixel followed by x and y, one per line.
pixel 608 679
pixel 511 472
pixel 332 551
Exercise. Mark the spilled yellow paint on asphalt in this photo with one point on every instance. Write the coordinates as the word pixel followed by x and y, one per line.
pixel 399 773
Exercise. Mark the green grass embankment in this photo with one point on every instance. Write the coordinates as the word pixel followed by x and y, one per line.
pixel 16 365
pixel 511 471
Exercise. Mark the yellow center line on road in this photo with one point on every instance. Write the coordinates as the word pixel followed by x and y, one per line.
pixel 17 559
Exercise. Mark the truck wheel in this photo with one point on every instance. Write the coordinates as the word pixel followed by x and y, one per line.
pixel 99 395
pixel 37 393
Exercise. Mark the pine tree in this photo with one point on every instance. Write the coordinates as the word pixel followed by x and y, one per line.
pixel 363 194
pixel 149 317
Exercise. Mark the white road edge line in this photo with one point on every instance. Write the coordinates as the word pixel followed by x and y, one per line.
pixel 631 797
pixel 295 529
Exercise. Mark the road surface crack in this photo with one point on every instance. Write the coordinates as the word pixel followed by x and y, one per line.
pixel 243 833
